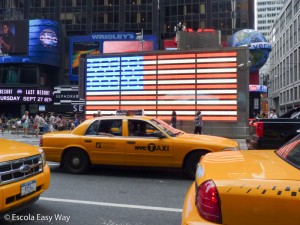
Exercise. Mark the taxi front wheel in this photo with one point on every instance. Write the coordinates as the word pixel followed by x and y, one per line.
pixel 191 162
pixel 76 161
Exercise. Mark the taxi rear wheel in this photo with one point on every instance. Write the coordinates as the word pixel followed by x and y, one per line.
pixel 191 162
pixel 76 161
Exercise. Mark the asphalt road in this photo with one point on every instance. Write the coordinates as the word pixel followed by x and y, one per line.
pixel 106 195
pixel 110 196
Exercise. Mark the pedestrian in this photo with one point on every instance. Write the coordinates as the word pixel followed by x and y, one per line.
pixel 41 123
pixel 273 114
pixel 99 113
pixel 3 122
pixel 76 121
pixel 25 123
pixel 198 123
pixel 51 122
pixel 59 123
pixel 64 122
pixel 36 125
pixel 174 119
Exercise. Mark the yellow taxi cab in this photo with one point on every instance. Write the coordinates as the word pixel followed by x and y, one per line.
pixel 130 141
pixel 24 175
pixel 260 187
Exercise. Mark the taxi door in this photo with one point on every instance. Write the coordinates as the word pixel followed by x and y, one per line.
pixel 145 145
pixel 105 142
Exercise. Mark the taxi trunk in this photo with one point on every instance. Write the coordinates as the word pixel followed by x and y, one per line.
pixel 254 187
pixel 263 202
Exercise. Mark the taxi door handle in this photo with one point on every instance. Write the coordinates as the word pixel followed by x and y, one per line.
pixel 88 141
pixel 130 142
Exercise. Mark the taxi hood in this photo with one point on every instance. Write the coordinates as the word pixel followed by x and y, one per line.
pixel 209 140
pixel 11 150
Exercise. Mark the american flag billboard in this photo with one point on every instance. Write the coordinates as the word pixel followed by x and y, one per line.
pixel 160 82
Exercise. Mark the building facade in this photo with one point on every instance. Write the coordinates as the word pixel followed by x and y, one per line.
pixel 266 13
pixel 155 17
pixel 86 17
pixel 284 73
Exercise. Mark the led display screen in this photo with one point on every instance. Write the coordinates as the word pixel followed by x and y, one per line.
pixel 127 46
pixel 106 42
pixel 159 83
pixel 36 41
pixel 81 49
pixel 14 37
pixel 28 95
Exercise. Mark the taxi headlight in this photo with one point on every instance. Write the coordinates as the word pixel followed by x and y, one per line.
pixel 231 148
pixel 42 157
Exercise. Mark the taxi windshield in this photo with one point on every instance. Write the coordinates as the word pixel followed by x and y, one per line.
pixel 290 152
pixel 171 131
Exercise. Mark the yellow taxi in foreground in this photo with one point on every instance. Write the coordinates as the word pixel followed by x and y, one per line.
pixel 246 187
pixel 24 175
pixel 131 141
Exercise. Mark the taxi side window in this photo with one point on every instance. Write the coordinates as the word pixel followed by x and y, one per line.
pixel 93 128
pixel 113 127
pixel 141 128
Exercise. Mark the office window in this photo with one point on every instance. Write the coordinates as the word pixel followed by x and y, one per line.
pixel 49 3
pixel 202 8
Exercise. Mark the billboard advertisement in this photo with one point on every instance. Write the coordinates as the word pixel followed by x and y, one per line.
pixel 33 41
pixel 26 95
pixel 13 39
pixel 106 42
pixel 81 49
pixel 159 83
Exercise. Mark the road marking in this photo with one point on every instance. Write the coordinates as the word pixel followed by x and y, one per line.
pixel 111 204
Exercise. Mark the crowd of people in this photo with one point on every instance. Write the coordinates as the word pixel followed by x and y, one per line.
pixel 39 123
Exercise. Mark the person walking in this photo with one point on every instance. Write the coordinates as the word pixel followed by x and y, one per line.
pixel 36 125
pixel 41 123
pixel 51 122
pixel 198 123
pixel 76 121
pixel 174 119
pixel 25 123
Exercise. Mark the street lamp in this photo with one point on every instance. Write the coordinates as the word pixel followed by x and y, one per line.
pixel 140 38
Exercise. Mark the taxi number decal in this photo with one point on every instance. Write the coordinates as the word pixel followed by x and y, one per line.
pixel 107 145
pixel 152 148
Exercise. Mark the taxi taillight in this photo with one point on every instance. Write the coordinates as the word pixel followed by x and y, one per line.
pixel 208 202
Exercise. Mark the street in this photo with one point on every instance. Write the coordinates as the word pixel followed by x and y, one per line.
pixel 106 195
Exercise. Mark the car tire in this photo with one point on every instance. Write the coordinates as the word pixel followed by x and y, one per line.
pixel 190 164
pixel 76 161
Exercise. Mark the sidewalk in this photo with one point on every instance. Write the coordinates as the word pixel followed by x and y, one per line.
pixel 19 137
pixel 35 140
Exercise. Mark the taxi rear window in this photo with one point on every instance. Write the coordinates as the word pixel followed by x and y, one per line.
pixel 290 152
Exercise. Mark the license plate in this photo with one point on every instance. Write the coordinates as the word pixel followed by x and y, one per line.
pixel 28 187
